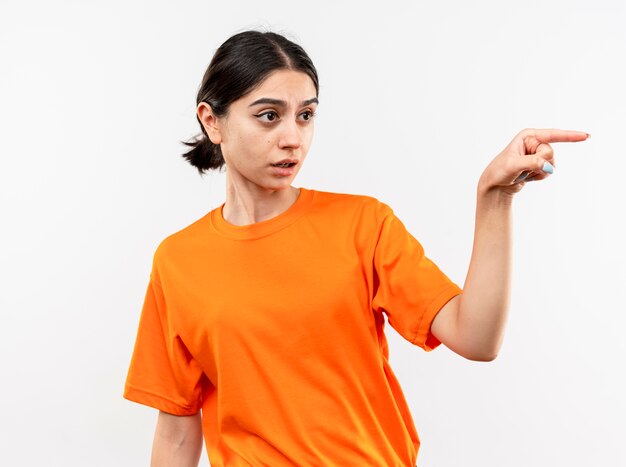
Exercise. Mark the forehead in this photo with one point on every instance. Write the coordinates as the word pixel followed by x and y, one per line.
pixel 287 85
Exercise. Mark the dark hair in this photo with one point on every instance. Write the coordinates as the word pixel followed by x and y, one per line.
pixel 239 65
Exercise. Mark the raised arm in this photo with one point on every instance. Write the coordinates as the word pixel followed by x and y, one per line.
pixel 177 441
pixel 472 324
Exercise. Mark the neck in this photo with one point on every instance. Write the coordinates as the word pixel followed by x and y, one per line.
pixel 249 203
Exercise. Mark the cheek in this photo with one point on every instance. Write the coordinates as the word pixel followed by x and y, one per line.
pixel 244 141
pixel 253 138
pixel 308 137
pixel 253 146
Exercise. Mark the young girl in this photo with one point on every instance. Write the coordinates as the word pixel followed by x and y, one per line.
pixel 266 314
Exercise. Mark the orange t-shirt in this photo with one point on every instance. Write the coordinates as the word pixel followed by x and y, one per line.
pixel 275 331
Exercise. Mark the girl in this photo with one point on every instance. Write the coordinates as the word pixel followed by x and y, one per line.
pixel 262 326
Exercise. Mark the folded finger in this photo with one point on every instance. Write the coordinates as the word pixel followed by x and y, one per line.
pixel 545 152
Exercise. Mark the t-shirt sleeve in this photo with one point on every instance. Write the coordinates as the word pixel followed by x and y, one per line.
pixel 162 374
pixel 408 286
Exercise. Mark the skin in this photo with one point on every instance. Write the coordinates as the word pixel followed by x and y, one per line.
pixel 471 324
pixel 177 441
pixel 253 137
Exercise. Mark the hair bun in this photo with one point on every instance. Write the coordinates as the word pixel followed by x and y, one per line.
pixel 205 155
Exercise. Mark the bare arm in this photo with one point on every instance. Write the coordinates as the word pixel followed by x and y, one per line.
pixel 177 441
pixel 472 324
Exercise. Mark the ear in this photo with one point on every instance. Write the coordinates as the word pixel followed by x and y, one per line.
pixel 210 122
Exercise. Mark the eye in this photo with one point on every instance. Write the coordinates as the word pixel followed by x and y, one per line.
pixel 307 115
pixel 268 116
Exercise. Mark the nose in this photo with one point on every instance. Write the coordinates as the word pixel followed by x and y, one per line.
pixel 290 136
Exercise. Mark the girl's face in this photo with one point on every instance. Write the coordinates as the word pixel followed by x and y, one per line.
pixel 271 123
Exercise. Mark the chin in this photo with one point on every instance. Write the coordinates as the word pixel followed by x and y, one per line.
pixel 277 185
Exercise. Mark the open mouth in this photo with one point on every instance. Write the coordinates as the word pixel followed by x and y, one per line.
pixel 285 165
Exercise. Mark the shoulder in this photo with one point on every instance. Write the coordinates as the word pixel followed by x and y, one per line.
pixel 350 202
pixel 354 215
pixel 182 242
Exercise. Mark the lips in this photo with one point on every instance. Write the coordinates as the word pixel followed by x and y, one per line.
pixel 286 163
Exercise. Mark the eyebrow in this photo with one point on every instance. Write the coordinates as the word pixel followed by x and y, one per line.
pixel 278 102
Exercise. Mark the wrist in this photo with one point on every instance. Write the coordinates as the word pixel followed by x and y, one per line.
pixel 493 197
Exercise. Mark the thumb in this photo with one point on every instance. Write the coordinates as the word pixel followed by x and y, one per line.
pixel 530 171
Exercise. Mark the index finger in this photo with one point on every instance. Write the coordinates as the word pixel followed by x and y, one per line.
pixel 552 135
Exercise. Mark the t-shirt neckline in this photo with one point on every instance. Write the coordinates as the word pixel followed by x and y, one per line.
pixel 266 227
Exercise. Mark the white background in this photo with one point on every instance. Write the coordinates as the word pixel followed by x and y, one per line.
pixel 415 100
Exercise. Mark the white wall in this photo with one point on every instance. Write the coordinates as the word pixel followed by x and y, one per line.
pixel 416 99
